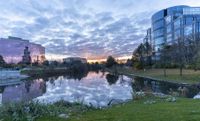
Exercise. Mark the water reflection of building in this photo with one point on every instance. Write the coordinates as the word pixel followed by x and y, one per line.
pixel 146 85
pixel 23 92
pixel 149 85
pixel 12 49
pixel 155 86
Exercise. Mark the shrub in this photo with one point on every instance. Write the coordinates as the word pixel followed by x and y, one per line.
pixel 138 65
pixel 31 110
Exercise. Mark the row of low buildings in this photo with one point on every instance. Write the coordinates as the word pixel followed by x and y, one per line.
pixel 75 59
pixel 170 25
pixel 12 50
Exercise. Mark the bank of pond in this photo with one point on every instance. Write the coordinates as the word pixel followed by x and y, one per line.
pixel 73 94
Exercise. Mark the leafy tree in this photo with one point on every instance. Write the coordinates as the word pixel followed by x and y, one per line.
pixel 45 63
pixel 139 53
pixel 197 61
pixel 95 66
pixel 164 57
pixel 54 63
pixel 140 50
pixel 35 64
pixel 147 48
pixel 129 62
pixel 110 62
pixel 136 63
pixel 148 52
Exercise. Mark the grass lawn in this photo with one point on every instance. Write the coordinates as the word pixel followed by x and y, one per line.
pixel 181 110
pixel 173 75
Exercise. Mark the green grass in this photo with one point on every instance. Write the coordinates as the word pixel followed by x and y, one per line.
pixel 173 75
pixel 161 110
pixel 181 110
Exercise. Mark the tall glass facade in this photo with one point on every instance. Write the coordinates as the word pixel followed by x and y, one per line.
pixel 158 31
pixel 173 24
pixel 191 11
pixel 12 49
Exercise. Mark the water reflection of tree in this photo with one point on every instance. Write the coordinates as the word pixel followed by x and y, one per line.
pixel 45 79
pixel 76 75
pixel 138 84
pixel 68 75
pixel 103 74
pixel 52 79
pixel 42 85
pixel 112 79
pixel 122 80
pixel 28 84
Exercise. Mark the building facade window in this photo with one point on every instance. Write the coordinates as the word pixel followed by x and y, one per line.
pixel 159 32
pixel 159 41
pixel 159 47
pixel 188 20
pixel 197 26
pixel 177 24
pixel 158 24
pixel 168 19
pixel 159 15
pixel 188 30
pixel 191 11
pixel 169 38
pixel 169 28
pixel 177 34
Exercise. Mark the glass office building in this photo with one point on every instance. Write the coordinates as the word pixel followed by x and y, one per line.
pixel 148 37
pixel 170 25
pixel 12 50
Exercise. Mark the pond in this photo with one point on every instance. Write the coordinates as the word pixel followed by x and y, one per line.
pixel 94 89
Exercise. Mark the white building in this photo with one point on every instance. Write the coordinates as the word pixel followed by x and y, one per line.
pixel 74 59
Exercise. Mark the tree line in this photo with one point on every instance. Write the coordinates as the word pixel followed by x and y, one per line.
pixel 183 53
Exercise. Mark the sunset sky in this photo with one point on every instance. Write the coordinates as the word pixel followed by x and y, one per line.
pixel 88 28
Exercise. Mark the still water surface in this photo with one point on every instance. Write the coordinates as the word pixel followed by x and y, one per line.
pixel 96 89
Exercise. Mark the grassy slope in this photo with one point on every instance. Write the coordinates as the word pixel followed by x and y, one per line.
pixel 189 76
pixel 182 110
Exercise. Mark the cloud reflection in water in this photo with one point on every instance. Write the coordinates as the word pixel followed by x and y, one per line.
pixel 92 90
